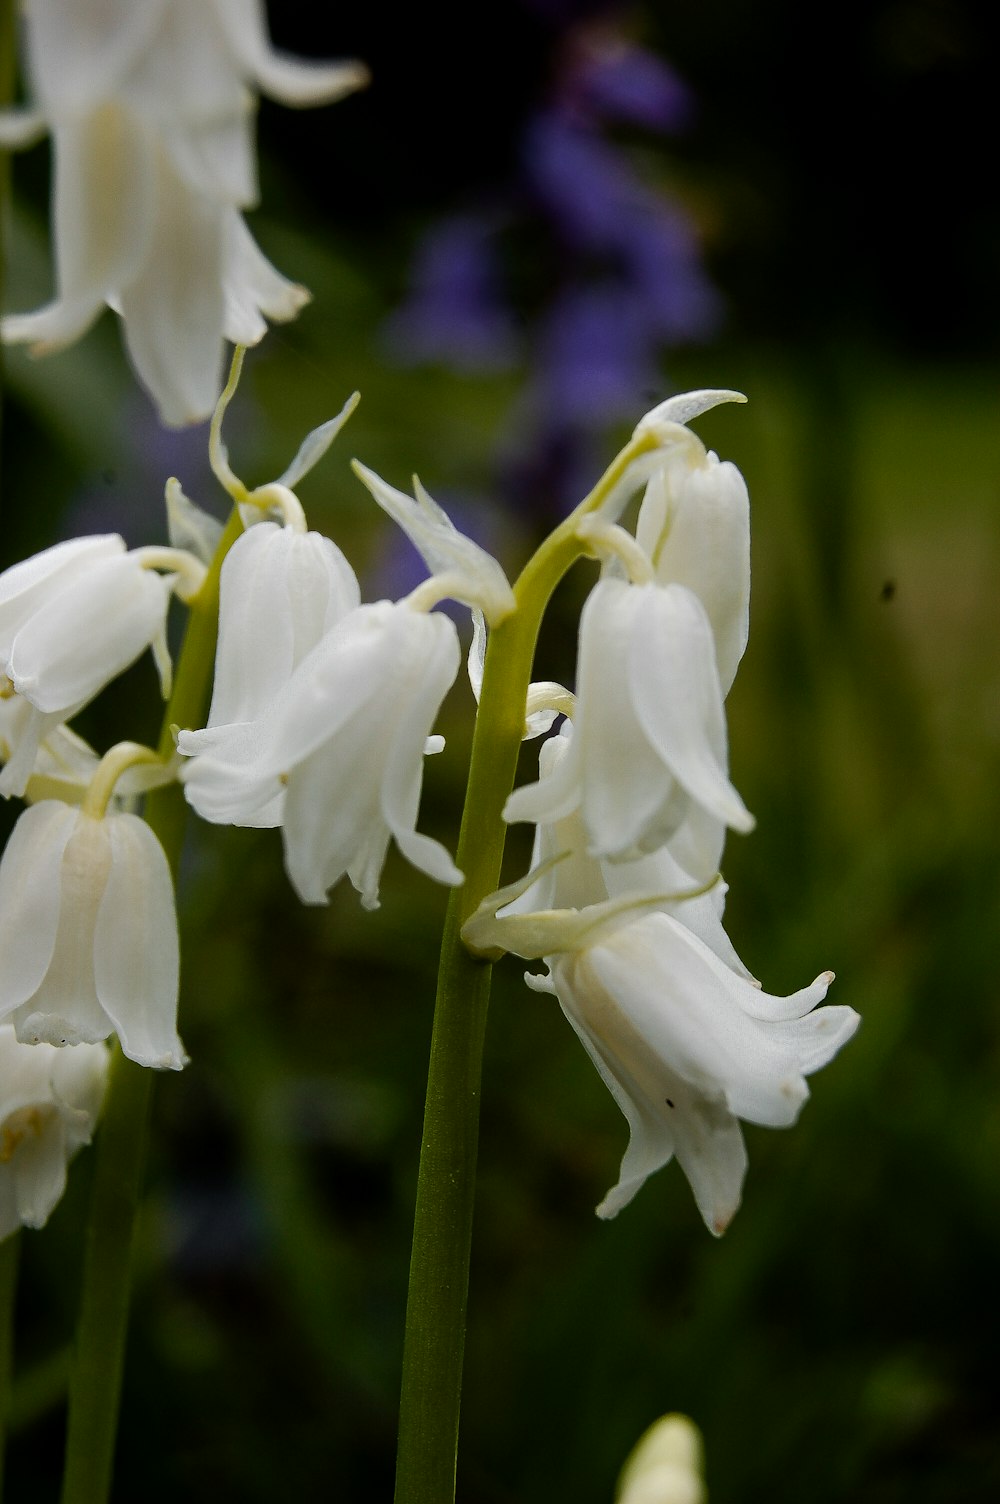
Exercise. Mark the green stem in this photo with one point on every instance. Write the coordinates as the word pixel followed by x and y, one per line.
pixel 434 1344
pixel 10 1250
pixel 120 1151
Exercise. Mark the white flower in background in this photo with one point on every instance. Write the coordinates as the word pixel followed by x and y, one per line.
pixel 88 934
pixel 648 758
pixel 150 104
pixel 71 619
pixel 685 1044
pixel 666 1465
pixel 49 1103
pixel 339 755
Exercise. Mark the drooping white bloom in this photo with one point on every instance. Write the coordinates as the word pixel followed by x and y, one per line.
pixel 647 763
pixel 694 524
pixel 281 589
pixel 686 1046
pixel 49 1103
pixel 572 879
pixel 88 934
pixel 150 105
pixel 339 755
pixel 71 619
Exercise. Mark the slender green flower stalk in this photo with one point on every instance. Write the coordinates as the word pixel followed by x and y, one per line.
pixel 96 1373
pixel 442 1233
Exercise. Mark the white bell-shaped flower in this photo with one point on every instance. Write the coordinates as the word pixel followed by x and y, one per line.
pixel 280 591
pixel 694 524
pixel 687 1048
pixel 50 1100
pixel 150 104
pixel 649 754
pixel 71 619
pixel 685 1043
pixel 572 879
pixel 342 748
pixel 88 934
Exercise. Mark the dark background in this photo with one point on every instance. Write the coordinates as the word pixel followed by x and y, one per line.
pixel 838 1344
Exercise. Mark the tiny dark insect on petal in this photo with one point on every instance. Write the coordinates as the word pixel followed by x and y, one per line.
pixel 668 1101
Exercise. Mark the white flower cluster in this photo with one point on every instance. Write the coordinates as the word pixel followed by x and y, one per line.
pixel 88 933
pixel 624 901
pixel 320 719
pixel 150 104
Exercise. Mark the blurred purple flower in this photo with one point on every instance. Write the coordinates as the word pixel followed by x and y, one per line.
pixel 608 78
pixel 594 356
pixel 626 278
pixel 665 267
pixel 454 312
pixel 579 182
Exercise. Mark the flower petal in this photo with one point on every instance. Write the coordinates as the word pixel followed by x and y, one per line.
pixel 292 80
pixel 252 287
pixel 677 699
pixel 694 523
pixel 173 309
pixel 78 642
pixel 136 956
pixel 78 52
pixel 29 899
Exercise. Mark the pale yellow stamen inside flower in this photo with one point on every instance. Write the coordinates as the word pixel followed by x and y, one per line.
pixel 26 1122
pixel 7 690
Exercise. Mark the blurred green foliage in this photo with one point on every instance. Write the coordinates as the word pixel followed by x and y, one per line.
pixel 838 1343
